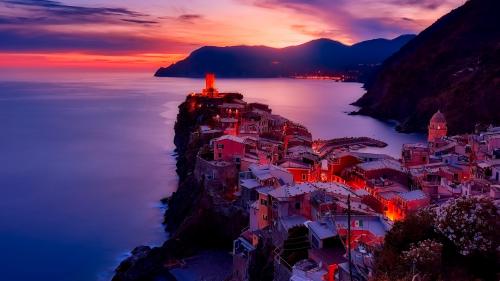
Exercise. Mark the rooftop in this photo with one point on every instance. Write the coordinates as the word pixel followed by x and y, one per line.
pixel 438 117
pixel 249 183
pixel 372 223
pixel 287 191
pixel 322 230
pixel 415 145
pixel 231 138
pixel 361 155
pixel 292 221
pixel 413 195
pixel 300 149
pixel 265 189
pixel 381 164
pixel 307 270
pixel 294 164
pixel 268 171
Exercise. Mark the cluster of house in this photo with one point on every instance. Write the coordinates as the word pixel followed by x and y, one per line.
pixel 321 204
pixel 463 165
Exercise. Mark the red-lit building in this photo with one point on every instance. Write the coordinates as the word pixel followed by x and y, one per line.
pixel 229 148
pixel 381 169
pixel 415 154
pixel 408 202
pixel 302 172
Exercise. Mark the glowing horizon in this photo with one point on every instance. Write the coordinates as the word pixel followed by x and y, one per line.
pixel 154 33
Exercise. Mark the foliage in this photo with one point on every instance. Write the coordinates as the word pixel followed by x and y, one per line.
pixel 296 246
pixel 425 256
pixel 416 227
pixel 262 267
pixel 470 223
pixel 456 241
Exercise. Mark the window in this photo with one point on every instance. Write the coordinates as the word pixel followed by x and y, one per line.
pixel 263 202
pixel 304 177
pixel 297 205
pixel 237 160
pixel 264 217
pixel 407 154
pixel 220 146
pixel 219 155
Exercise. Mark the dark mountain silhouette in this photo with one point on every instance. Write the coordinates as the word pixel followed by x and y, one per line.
pixel 453 65
pixel 321 55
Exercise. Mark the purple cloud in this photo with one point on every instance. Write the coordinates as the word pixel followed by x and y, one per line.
pixel 39 40
pixel 190 17
pixel 55 12
pixel 357 19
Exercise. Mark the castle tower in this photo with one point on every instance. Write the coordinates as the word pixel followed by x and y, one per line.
pixel 437 127
pixel 210 89
pixel 210 81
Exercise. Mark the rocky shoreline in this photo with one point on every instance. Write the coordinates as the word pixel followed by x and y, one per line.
pixel 191 211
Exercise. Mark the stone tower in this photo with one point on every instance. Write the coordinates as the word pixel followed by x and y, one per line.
pixel 210 89
pixel 437 127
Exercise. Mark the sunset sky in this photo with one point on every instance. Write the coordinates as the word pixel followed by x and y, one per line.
pixel 152 33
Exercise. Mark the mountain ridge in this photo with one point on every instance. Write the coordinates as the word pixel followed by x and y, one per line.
pixel 322 55
pixel 452 66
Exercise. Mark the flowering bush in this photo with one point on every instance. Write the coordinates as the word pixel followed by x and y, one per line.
pixel 470 223
pixel 424 255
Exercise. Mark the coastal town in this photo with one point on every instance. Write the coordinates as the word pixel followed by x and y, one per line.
pixel 324 206
pixel 250 140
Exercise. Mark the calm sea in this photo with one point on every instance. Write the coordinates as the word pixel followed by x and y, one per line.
pixel 85 158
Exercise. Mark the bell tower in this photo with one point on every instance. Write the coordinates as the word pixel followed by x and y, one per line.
pixel 437 127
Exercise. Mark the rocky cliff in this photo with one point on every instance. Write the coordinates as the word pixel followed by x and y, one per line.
pixel 196 219
pixel 453 65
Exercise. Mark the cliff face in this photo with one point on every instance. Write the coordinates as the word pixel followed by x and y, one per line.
pixel 196 219
pixel 454 66
pixel 325 55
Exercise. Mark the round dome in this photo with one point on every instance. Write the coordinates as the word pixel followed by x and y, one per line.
pixel 438 117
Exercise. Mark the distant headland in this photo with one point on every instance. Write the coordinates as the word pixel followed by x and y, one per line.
pixel 317 58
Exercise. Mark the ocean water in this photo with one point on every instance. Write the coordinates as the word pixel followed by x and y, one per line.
pixel 86 157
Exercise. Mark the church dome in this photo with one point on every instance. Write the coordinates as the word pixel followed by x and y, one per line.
pixel 438 117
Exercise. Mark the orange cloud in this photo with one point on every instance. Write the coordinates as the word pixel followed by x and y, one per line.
pixel 78 60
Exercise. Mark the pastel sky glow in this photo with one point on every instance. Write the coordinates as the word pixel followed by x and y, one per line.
pixel 152 33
